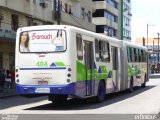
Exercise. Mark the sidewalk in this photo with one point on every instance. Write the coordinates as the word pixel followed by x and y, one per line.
pixel 7 92
pixel 155 75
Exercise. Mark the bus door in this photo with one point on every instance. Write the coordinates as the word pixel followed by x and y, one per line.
pixel 115 64
pixel 89 64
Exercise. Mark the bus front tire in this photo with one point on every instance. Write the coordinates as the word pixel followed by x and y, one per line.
pixel 101 92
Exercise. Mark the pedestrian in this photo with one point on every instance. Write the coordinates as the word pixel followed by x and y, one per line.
pixel 3 77
pixel 7 79
pixel 2 80
pixel 12 78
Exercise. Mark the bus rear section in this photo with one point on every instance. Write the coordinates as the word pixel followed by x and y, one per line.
pixel 42 63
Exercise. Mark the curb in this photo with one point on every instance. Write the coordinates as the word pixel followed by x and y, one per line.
pixel 154 76
pixel 7 93
pixel 7 96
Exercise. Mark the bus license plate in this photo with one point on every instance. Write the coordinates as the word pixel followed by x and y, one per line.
pixel 42 90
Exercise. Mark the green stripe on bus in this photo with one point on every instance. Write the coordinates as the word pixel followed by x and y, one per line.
pixel 133 71
pixel 59 64
pixel 81 71
pixel 82 74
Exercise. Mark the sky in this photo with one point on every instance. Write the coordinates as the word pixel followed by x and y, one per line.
pixel 145 12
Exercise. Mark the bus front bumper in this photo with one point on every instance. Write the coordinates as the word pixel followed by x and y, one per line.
pixel 68 89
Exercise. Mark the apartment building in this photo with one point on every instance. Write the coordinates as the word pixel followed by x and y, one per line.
pixel 112 18
pixel 126 20
pixel 106 17
pixel 15 14
pixel 20 13
pixel 76 12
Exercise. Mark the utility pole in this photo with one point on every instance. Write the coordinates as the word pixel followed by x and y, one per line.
pixel 58 13
pixel 158 46
pixel 147 35
pixel 143 41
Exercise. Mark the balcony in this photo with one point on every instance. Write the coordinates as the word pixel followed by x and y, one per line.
pixel 105 21
pixel 7 34
pixel 69 19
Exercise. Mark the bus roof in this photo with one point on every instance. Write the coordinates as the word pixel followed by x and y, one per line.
pixel 83 31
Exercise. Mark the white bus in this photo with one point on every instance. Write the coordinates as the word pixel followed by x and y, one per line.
pixel 64 61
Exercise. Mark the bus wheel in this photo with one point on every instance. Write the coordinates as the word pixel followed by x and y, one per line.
pixel 101 92
pixel 143 85
pixel 131 85
pixel 57 98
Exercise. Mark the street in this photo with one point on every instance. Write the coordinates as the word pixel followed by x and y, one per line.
pixel 141 101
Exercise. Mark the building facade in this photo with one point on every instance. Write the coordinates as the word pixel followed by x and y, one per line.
pixel 75 12
pixel 105 17
pixel 112 18
pixel 125 18
pixel 19 13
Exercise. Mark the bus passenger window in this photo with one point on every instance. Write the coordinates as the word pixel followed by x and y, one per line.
pixel 79 47
pixel 106 52
pixel 101 50
pixel 140 55
pixel 129 54
pixel 132 55
pixel 97 49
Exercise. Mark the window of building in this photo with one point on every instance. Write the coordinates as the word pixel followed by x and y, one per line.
pixel 83 12
pixel 79 47
pixel 112 3
pixel 89 16
pixel 110 16
pixel 66 7
pixel 34 1
pixel 14 22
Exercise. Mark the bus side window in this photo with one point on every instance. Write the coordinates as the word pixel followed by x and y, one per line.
pixel 101 51
pixel 128 54
pixel 106 52
pixel 143 57
pixel 97 50
pixel 140 55
pixel 79 47
pixel 132 55
pixel 135 55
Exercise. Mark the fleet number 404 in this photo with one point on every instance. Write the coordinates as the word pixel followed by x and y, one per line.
pixel 42 64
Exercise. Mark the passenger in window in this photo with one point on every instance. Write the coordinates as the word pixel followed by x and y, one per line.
pixel 59 41
pixel 24 42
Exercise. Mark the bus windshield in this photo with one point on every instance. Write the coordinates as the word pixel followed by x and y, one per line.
pixel 42 41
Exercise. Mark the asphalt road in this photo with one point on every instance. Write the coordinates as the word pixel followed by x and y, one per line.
pixel 140 101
